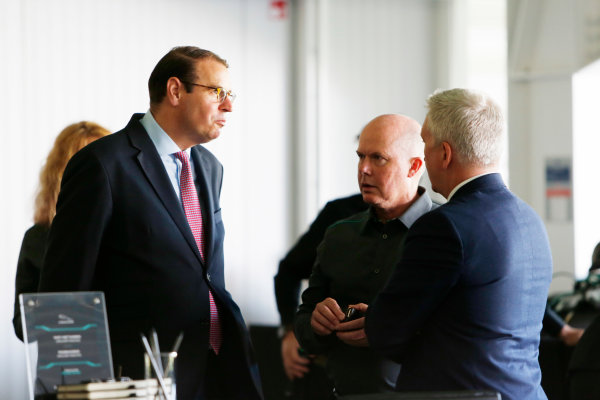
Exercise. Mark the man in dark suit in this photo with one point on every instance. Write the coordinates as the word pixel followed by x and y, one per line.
pixel 125 226
pixel 463 308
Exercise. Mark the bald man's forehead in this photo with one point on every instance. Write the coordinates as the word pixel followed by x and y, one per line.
pixel 383 132
pixel 385 140
pixel 400 123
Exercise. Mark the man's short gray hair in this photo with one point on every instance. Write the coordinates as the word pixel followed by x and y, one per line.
pixel 471 122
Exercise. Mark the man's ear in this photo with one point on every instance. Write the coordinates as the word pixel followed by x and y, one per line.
pixel 415 165
pixel 447 155
pixel 174 90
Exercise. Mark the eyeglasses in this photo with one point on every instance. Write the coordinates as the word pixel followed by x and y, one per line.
pixel 221 93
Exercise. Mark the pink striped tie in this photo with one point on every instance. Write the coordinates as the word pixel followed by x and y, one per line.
pixel 193 213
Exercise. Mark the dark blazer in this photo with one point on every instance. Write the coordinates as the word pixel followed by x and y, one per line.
pixel 584 366
pixel 464 307
pixel 121 229
pixel 29 265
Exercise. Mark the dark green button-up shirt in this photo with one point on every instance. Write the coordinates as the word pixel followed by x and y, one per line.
pixel 354 261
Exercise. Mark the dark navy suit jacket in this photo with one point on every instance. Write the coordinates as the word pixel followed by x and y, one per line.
pixel 121 229
pixel 464 307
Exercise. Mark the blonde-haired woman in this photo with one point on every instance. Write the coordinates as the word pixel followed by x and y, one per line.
pixel 72 139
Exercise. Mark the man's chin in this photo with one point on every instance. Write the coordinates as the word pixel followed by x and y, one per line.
pixel 369 198
pixel 214 135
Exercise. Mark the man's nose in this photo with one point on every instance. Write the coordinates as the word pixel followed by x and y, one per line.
pixel 363 167
pixel 227 105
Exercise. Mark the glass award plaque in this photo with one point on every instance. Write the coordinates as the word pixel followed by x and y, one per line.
pixel 66 340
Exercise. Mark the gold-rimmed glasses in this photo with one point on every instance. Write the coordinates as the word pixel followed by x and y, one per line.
pixel 220 92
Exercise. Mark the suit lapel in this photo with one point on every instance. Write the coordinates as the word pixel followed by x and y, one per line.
pixel 153 168
pixel 205 195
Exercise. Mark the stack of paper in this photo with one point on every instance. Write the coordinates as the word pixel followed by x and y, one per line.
pixel 141 389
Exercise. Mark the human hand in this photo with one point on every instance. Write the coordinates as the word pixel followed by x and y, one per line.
pixel 353 332
pixel 294 364
pixel 569 335
pixel 326 316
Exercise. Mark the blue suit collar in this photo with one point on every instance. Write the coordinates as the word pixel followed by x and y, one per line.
pixel 484 182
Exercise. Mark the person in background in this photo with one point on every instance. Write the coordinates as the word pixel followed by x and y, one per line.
pixel 358 253
pixel 297 266
pixel 463 308
pixel 556 326
pixel 72 139
pixel 583 373
pixel 139 218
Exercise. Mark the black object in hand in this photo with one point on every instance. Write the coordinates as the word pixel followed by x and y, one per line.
pixel 302 352
pixel 352 314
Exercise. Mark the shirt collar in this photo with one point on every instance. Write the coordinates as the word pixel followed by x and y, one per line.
pixel 162 141
pixel 463 183
pixel 419 207
pixel 416 209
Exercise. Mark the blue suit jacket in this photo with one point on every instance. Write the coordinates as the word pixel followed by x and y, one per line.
pixel 464 307
pixel 121 229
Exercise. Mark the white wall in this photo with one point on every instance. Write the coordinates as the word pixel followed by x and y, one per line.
pixel 539 112
pixel 370 65
pixel 586 142
pixel 549 42
pixel 361 59
pixel 68 60
pixel 474 49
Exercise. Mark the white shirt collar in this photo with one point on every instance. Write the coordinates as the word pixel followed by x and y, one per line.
pixel 162 141
pixel 463 183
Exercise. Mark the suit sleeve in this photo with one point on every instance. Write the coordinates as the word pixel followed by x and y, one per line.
pixel 28 270
pixel 82 214
pixel 552 322
pixel 317 291
pixel 429 269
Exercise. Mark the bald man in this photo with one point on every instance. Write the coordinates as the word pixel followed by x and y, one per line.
pixel 357 256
